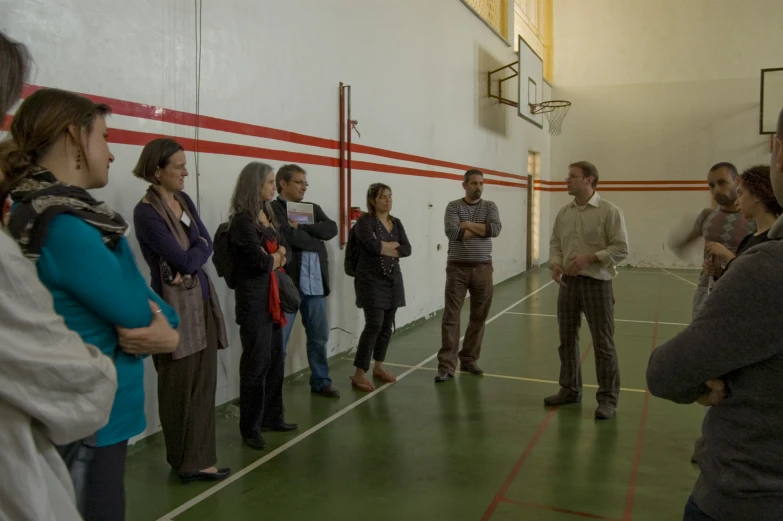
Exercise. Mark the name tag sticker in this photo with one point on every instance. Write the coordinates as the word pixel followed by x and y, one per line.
pixel 185 219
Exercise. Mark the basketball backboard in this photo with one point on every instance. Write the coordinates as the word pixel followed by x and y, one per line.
pixel 531 83
pixel 771 99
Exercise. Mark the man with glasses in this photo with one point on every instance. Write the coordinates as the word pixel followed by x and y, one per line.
pixel 309 270
pixel 588 241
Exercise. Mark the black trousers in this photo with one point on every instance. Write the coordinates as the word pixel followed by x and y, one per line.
pixel 104 498
pixel 375 338
pixel 261 371
pixel 186 403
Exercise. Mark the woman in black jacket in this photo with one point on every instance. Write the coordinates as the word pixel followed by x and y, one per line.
pixel 258 250
pixel 378 283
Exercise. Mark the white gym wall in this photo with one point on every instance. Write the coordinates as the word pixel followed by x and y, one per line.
pixel 661 91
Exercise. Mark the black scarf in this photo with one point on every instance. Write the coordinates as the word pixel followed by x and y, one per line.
pixel 40 197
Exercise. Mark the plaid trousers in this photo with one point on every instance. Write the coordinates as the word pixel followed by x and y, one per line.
pixel 595 299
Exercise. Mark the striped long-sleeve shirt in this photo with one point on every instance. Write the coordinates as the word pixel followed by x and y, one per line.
pixel 475 250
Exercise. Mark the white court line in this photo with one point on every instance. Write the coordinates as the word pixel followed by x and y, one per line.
pixel 616 319
pixel 520 378
pixel 644 272
pixel 675 275
pixel 223 484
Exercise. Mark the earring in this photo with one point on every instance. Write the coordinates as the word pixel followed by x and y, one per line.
pixel 78 160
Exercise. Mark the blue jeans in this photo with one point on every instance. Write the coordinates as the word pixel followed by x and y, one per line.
pixel 317 328
pixel 694 513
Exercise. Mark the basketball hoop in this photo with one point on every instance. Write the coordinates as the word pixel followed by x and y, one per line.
pixel 555 112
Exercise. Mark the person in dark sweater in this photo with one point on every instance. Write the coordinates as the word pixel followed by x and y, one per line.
pixel 258 250
pixel 731 358
pixel 757 203
pixel 378 283
pixel 309 270
pixel 176 245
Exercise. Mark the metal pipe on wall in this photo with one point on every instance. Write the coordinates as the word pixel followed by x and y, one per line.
pixel 342 166
pixel 349 184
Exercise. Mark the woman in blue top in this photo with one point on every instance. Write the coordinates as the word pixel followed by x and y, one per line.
pixel 83 258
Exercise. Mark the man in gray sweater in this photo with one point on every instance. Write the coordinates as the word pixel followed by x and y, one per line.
pixel 731 357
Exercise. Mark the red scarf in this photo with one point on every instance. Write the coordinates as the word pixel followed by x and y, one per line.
pixel 278 316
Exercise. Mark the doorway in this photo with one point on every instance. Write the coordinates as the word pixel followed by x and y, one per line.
pixel 533 172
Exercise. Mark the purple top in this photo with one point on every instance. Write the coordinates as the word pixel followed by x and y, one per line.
pixel 157 241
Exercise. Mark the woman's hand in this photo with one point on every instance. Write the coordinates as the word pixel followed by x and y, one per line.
pixel 389 249
pixel 157 338
pixel 177 280
pixel 280 259
pixel 719 250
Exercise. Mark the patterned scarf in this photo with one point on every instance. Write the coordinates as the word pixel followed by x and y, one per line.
pixel 40 197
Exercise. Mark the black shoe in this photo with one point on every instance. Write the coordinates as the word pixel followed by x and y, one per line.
pixel 283 427
pixel 472 369
pixel 257 443
pixel 562 398
pixel 329 391
pixel 604 411
pixel 442 376
pixel 187 477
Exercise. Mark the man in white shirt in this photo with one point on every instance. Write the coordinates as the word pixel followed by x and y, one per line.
pixel 588 241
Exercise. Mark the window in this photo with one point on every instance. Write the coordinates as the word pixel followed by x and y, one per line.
pixel 493 12
pixel 533 21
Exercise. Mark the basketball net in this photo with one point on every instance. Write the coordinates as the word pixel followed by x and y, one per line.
pixel 555 112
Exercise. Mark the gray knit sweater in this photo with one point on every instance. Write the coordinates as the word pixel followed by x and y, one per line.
pixel 739 338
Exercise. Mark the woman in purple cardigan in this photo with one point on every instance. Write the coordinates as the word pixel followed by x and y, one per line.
pixel 176 245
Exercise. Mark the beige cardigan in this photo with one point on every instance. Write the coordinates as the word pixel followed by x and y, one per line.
pixel 53 389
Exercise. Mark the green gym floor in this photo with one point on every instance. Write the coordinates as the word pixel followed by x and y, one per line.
pixel 471 449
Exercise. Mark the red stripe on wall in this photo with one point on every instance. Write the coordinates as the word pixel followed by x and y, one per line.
pixel 603 183
pixel 602 188
pixel 364 149
pixel 150 112
pixel 132 137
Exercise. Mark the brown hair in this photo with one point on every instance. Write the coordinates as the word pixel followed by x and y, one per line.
pixel 156 154
pixel 588 170
pixel 42 119
pixel 14 67
pixel 373 192
pixel 756 181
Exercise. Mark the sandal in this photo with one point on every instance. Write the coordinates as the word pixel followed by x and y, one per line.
pixel 365 386
pixel 385 376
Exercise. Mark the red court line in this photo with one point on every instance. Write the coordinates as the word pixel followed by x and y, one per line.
pixel 555 509
pixel 521 461
pixel 629 497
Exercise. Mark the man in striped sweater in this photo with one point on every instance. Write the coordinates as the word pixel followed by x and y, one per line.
pixel 470 224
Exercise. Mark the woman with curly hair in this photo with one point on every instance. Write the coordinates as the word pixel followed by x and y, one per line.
pixel 757 202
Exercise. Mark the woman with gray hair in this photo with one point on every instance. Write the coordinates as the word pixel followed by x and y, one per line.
pixel 258 250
